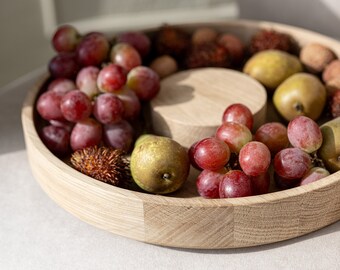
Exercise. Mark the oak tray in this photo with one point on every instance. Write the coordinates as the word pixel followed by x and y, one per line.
pixel 184 219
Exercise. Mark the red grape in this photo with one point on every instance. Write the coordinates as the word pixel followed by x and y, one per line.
pixel 211 154
pixel 235 135
pixel 93 49
pixel 254 158
pixel 87 81
pixel 238 113
pixel 304 133
pixel 132 105
pixel 208 182
pixel 119 135
pixel 75 106
pixel 274 135
pixel 126 56
pixel 292 163
pixel 63 124
pixel 108 108
pixel 260 184
pixel 111 78
pixel 138 40
pixel 86 133
pixel 314 174
pixel 64 65
pixel 61 85
pixel 65 39
pixel 144 81
pixel 48 105
pixel 56 139
pixel 235 183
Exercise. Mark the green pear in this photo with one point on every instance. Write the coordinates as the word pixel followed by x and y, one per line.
pixel 329 151
pixel 159 164
pixel 271 67
pixel 300 94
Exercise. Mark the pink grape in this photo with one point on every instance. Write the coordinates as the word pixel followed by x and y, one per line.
pixel 235 135
pixel 211 154
pixel 126 56
pixel 274 135
pixel 111 78
pixel 119 135
pixel 61 85
pixel 292 163
pixel 132 105
pixel 75 106
pixel 144 81
pixel 239 113
pixel 65 39
pixel 48 105
pixel 86 133
pixel 254 158
pixel 93 49
pixel 138 40
pixel 64 65
pixel 56 139
pixel 304 133
pixel 235 183
pixel 260 184
pixel 314 174
pixel 108 108
pixel 87 81
pixel 208 183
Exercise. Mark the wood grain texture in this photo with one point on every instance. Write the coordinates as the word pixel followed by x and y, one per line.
pixel 193 101
pixel 184 219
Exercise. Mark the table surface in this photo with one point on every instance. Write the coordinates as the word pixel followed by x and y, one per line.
pixel 35 233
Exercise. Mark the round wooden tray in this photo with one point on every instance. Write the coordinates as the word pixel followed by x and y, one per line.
pixel 184 219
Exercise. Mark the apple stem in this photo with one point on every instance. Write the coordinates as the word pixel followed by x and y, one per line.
pixel 166 176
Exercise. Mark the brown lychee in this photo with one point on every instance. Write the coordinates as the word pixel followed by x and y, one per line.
pixel 234 45
pixel 316 57
pixel 204 35
pixel 331 71
pixel 335 104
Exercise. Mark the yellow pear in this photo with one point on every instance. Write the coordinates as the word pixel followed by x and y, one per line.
pixel 329 151
pixel 271 67
pixel 159 164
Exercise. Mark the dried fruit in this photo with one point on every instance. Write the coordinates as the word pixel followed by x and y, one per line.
pixel 103 163
pixel 207 55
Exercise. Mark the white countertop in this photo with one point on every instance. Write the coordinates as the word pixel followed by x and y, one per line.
pixel 35 233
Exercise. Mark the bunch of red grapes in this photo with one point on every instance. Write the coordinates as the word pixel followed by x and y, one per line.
pixel 237 163
pixel 96 90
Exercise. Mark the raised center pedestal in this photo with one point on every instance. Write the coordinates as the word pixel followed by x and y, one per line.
pixel 190 104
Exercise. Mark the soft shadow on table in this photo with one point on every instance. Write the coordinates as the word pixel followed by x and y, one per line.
pixel 12 97
pixel 332 228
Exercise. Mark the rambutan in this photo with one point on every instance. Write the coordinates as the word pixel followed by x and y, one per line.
pixel 270 39
pixel 207 55
pixel 172 41
pixel 103 163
